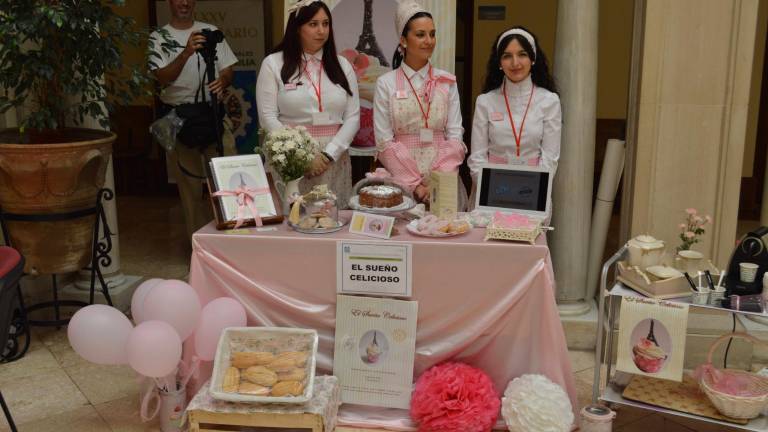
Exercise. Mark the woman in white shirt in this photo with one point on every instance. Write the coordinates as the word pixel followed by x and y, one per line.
pixel 517 118
pixel 417 117
pixel 303 82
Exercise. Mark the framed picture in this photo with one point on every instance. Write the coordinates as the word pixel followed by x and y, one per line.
pixel 238 174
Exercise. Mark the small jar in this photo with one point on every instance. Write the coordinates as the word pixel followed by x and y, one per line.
pixel 315 211
pixel 596 418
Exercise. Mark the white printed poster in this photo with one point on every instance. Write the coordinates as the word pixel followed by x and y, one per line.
pixel 652 337
pixel 374 350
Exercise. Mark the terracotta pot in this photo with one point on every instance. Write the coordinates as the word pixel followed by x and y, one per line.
pixel 53 178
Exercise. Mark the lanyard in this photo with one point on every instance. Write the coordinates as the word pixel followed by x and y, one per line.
pixel 424 115
pixel 518 137
pixel 318 88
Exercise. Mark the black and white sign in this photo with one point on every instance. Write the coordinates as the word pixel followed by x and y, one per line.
pixel 374 268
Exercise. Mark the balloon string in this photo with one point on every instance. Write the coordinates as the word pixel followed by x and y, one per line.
pixel 192 371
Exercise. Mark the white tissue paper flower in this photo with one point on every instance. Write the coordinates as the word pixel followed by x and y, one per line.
pixel 534 403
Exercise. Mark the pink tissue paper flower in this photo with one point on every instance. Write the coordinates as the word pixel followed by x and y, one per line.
pixel 682 226
pixel 689 234
pixel 690 211
pixel 454 397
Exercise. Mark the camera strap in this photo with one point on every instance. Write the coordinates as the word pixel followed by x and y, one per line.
pixel 198 92
pixel 200 83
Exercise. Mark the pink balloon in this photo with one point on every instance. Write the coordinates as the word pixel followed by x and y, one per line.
pixel 99 333
pixel 216 316
pixel 154 349
pixel 137 301
pixel 176 303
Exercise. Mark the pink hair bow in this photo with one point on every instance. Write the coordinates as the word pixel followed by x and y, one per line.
pixel 511 221
pixel 433 81
pixel 245 200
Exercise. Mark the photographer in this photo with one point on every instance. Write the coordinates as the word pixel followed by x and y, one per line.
pixel 181 72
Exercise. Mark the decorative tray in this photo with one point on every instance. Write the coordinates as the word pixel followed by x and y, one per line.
pixel 652 286
pixel 526 234
pixel 340 224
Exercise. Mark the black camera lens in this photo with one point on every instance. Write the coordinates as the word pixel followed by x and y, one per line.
pixel 212 38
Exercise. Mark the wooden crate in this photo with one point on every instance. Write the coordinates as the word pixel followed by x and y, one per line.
pixel 318 415
pixel 206 421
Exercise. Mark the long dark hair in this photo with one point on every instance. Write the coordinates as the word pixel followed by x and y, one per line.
pixel 398 56
pixel 539 70
pixel 292 51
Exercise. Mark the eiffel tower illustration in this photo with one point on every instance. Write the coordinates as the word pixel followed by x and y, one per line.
pixel 367 43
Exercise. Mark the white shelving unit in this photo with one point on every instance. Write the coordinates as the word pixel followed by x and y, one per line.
pixel 609 393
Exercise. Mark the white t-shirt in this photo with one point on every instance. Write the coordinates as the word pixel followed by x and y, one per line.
pixel 183 89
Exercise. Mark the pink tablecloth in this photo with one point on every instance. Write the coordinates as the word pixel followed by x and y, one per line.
pixel 489 304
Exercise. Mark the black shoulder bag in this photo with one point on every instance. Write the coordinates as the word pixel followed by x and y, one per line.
pixel 199 128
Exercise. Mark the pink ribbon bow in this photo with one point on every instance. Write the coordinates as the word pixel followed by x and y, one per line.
pixel 433 81
pixel 512 220
pixel 245 200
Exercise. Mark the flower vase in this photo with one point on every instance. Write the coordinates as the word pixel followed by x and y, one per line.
pixel 287 190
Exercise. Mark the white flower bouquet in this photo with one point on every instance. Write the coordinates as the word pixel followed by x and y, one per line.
pixel 290 151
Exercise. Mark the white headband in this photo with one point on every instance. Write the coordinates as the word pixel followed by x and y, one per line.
pixel 520 32
pixel 300 4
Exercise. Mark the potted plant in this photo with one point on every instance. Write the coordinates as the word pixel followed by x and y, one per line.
pixel 60 63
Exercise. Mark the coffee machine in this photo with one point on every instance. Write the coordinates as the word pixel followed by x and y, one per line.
pixel 752 248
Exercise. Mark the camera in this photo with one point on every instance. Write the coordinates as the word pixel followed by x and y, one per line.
pixel 212 38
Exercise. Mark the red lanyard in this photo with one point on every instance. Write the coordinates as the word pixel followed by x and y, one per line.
pixel 519 137
pixel 424 115
pixel 318 89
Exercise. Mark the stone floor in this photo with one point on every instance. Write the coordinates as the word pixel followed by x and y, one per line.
pixel 53 389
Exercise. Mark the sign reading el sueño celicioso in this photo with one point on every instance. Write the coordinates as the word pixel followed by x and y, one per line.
pixel 374 268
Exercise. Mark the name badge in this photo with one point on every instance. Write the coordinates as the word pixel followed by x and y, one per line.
pixel 497 116
pixel 426 135
pixel 517 161
pixel 401 94
pixel 290 86
pixel 321 118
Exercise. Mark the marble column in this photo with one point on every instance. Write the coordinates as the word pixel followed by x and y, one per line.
pixel 575 70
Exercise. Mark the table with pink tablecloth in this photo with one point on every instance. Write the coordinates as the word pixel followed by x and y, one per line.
pixel 489 304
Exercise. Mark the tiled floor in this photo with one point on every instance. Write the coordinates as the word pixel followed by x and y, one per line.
pixel 53 389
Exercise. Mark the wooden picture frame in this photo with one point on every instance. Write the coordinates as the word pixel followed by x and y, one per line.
pixel 217 203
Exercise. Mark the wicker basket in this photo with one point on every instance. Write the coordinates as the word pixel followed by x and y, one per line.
pixel 740 407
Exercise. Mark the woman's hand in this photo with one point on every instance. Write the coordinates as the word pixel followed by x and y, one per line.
pixel 422 193
pixel 318 166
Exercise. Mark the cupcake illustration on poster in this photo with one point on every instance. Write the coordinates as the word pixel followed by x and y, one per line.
pixel 373 347
pixel 652 337
pixel 650 346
